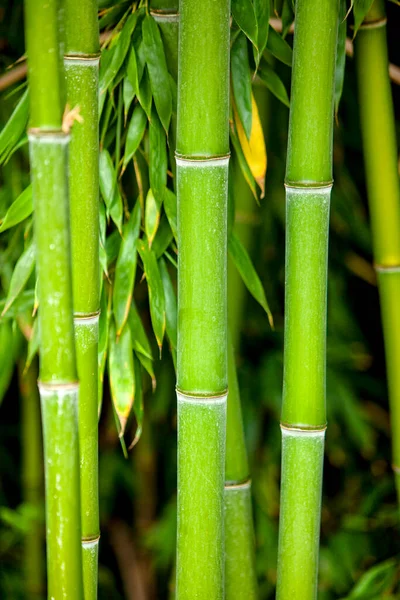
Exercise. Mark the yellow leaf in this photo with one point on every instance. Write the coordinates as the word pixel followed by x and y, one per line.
pixel 254 148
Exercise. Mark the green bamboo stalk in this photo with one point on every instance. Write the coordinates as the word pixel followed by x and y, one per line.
pixel 81 61
pixel 32 477
pixel 202 172
pixel 381 172
pixel 58 384
pixel 308 189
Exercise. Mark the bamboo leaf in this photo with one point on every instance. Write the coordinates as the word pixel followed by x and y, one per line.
pixel 144 93
pixel 14 129
pixel 19 210
pixel 170 304
pixel 248 273
pixel 244 167
pixel 170 207
pixel 279 47
pixel 287 17
pixel 140 343
pixel 119 52
pixel 125 269
pixel 6 357
pixel 132 70
pixel 340 55
pixel 375 582
pixel 138 404
pixel 262 11
pixel 241 81
pixel 22 271
pixel 360 9
pixel 158 72
pixel 23 303
pixel 128 94
pixel 254 149
pixel 104 324
pixel 163 238
pixel 158 160
pixel 152 217
pixel 122 376
pixel 134 136
pixel 33 345
pixel 109 189
pixel 156 292
pixel 271 80
pixel 245 16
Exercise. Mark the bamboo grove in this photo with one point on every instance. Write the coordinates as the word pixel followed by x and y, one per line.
pixel 131 246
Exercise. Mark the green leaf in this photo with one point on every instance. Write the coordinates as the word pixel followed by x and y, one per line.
pixel 33 345
pixel 262 11
pixel 119 52
pixel 248 273
pixel 134 136
pixel 170 207
pixel 23 303
pixel 6 357
pixel 104 325
pixel 360 9
pixel 158 160
pixel 109 189
pixel 156 292
pixel 132 70
pixel 158 72
pixel 121 372
pixel 22 271
pixel 244 167
pixel 279 47
pixel 340 55
pixel 163 238
pixel 245 16
pixel 125 269
pixel 128 94
pixel 170 304
pixel 287 17
pixel 374 583
pixel 14 129
pixel 140 343
pixel 144 93
pixel 241 82
pixel 138 404
pixel 19 210
pixel 152 217
pixel 271 80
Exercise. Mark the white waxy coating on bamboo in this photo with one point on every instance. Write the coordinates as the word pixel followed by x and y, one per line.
pixel 303 189
pixel 202 162
pixel 49 137
pixel 86 319
pixel 387 269
pixel 89 60
pixel 165 17
pixel 235 487
pixel 297 432
pixel 205 400
pixel 59 389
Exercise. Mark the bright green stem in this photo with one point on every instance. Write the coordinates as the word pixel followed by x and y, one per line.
pixel 202 187
pixel 302 462
pixel 201 460
pixel 308 179
pixel 58 378
pixel 381 170
pixel 82 71
pixel 32 476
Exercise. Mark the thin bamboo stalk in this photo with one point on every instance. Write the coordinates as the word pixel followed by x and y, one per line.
pixel 308 188
pixel 81 61
pixel 58 384
pixel 32 478
pixel 381 172
pixel 202 173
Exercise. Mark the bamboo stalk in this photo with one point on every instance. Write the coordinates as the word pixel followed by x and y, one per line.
pixel 81 61
pixel 381 171
pixel 58 384
pixel 202 173
pixel 32 478
pixel 308 189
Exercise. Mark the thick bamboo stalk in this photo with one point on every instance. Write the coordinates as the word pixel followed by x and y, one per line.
pixel 81 67
pixel 32 478
pixel 202 172
pixel 308 188
pixel 381 172
pixel 58 384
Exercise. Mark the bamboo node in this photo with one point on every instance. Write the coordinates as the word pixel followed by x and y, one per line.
pixel 36 134
pixel 309 185
pixel 86 318
pixel 201 399
pixel 164 16
pixel 387 268
pixel 396 469
pixel 90 540
pixel 231 486
pixel 374 24
pixel 202 161
pixel 83 58
pixel 47 388
pixel 302 430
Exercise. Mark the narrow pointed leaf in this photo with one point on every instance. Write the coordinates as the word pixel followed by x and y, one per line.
pixel 19 210
pixel 138 404
pixel 121 372
pixel 22 271
pixel 170 304
pixel 170 207
pixel 271 80
pixel 104 323
pixel 109 189
pixel 152 217
pixel 163 238
pixel 136 129
pixel 120 51
pixel 6 357
pixel 244 167
pixel 245 17
pixel 279 47
pixel 14 129
pixel 158 161
pixel 125 269
pixel 340 55
pixel 144 93
pixel 140 343
pixel 156 292
pixel 241 81
pixel 33 345
pixel 248 273
pixel 360 9
pixel 262 11
pixel 128 94
pixel 158 72
pixel 132 70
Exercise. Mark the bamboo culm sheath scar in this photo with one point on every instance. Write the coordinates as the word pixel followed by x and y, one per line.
pixel 308 188
pixel 382 178
pixel 202 187
pixel 81 61
pixel 58 384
